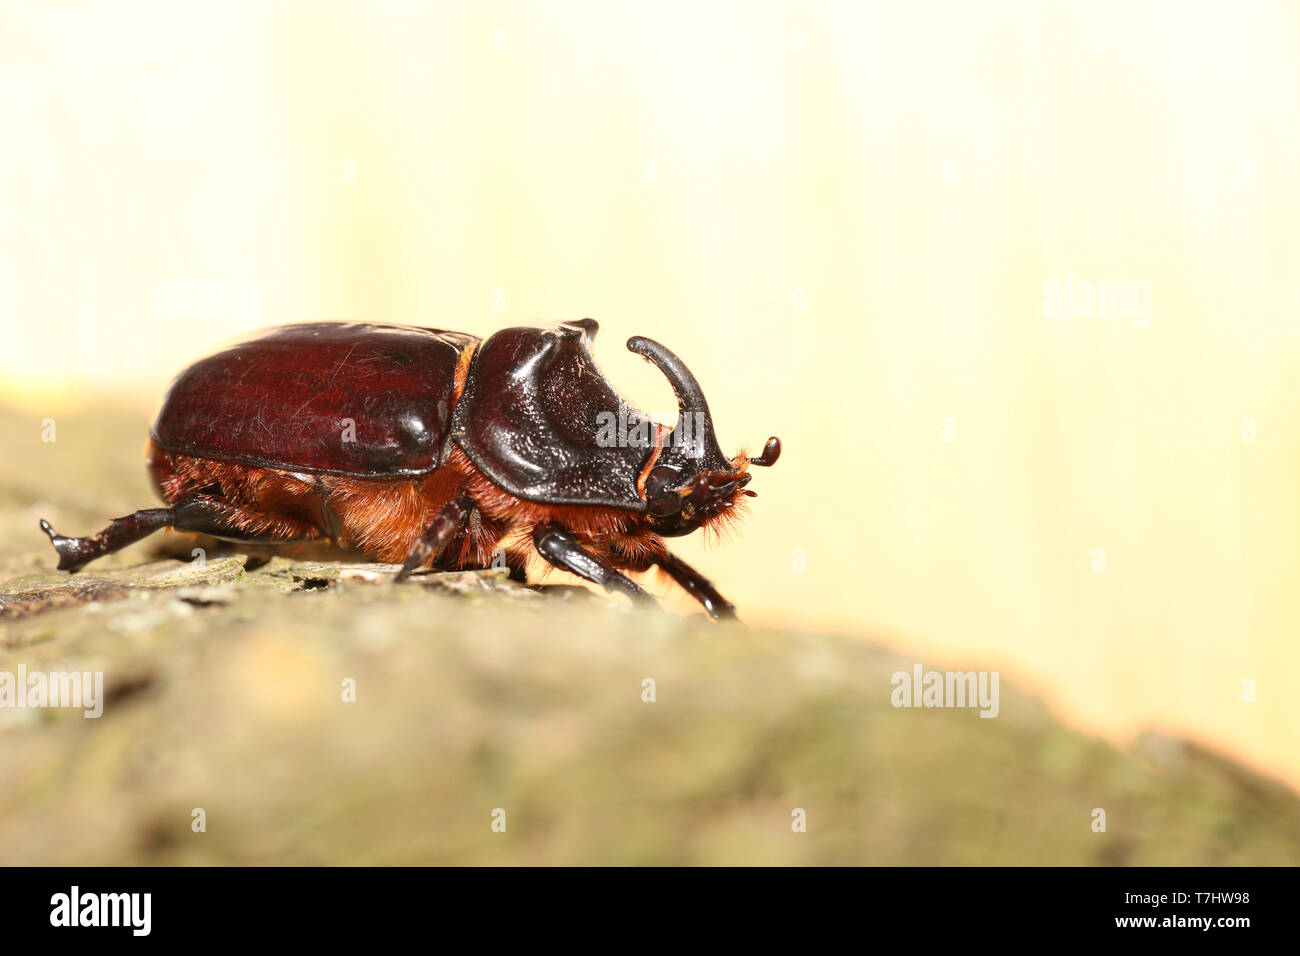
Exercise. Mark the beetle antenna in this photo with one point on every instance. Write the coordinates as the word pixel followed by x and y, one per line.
pixel 771 452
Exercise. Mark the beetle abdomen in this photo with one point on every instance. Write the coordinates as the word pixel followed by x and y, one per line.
pixel 380 516
pixel 324 397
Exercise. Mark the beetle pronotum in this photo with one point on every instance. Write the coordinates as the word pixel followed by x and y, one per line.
pixel 426 446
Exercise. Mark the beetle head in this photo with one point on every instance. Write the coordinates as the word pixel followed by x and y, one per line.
pixel 687 481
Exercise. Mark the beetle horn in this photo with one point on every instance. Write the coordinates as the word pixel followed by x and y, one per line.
pixel 690 397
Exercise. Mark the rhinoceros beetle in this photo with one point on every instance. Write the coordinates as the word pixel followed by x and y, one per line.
pixel 427 446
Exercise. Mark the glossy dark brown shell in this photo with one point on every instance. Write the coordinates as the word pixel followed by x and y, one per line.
pixel 284 399
pixel 529 419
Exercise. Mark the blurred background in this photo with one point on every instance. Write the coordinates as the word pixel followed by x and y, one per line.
pixel 895 235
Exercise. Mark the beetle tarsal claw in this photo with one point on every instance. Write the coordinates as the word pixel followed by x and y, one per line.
pixel 68 548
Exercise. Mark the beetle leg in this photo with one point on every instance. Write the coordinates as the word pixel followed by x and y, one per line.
pixel 430 544
pixel 202 515
pixel 562 549
pixel 517 562
pixel 232 522
pixel 697 586
pixel 75 553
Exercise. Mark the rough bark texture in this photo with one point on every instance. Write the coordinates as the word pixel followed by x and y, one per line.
pixel 225 688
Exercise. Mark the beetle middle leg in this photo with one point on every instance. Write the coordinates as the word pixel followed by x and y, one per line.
pixel 697 586
pixel 562 549
pixel 431 544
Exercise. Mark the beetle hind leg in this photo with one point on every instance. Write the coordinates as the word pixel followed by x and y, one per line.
pixel 223 519
pixel 198 514
pixel 76 553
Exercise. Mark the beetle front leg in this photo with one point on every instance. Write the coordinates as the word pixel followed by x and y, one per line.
pixel 562 549
pixel 431 544
pixel 697 586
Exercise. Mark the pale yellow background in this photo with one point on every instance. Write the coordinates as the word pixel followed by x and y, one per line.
pixel 912 175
